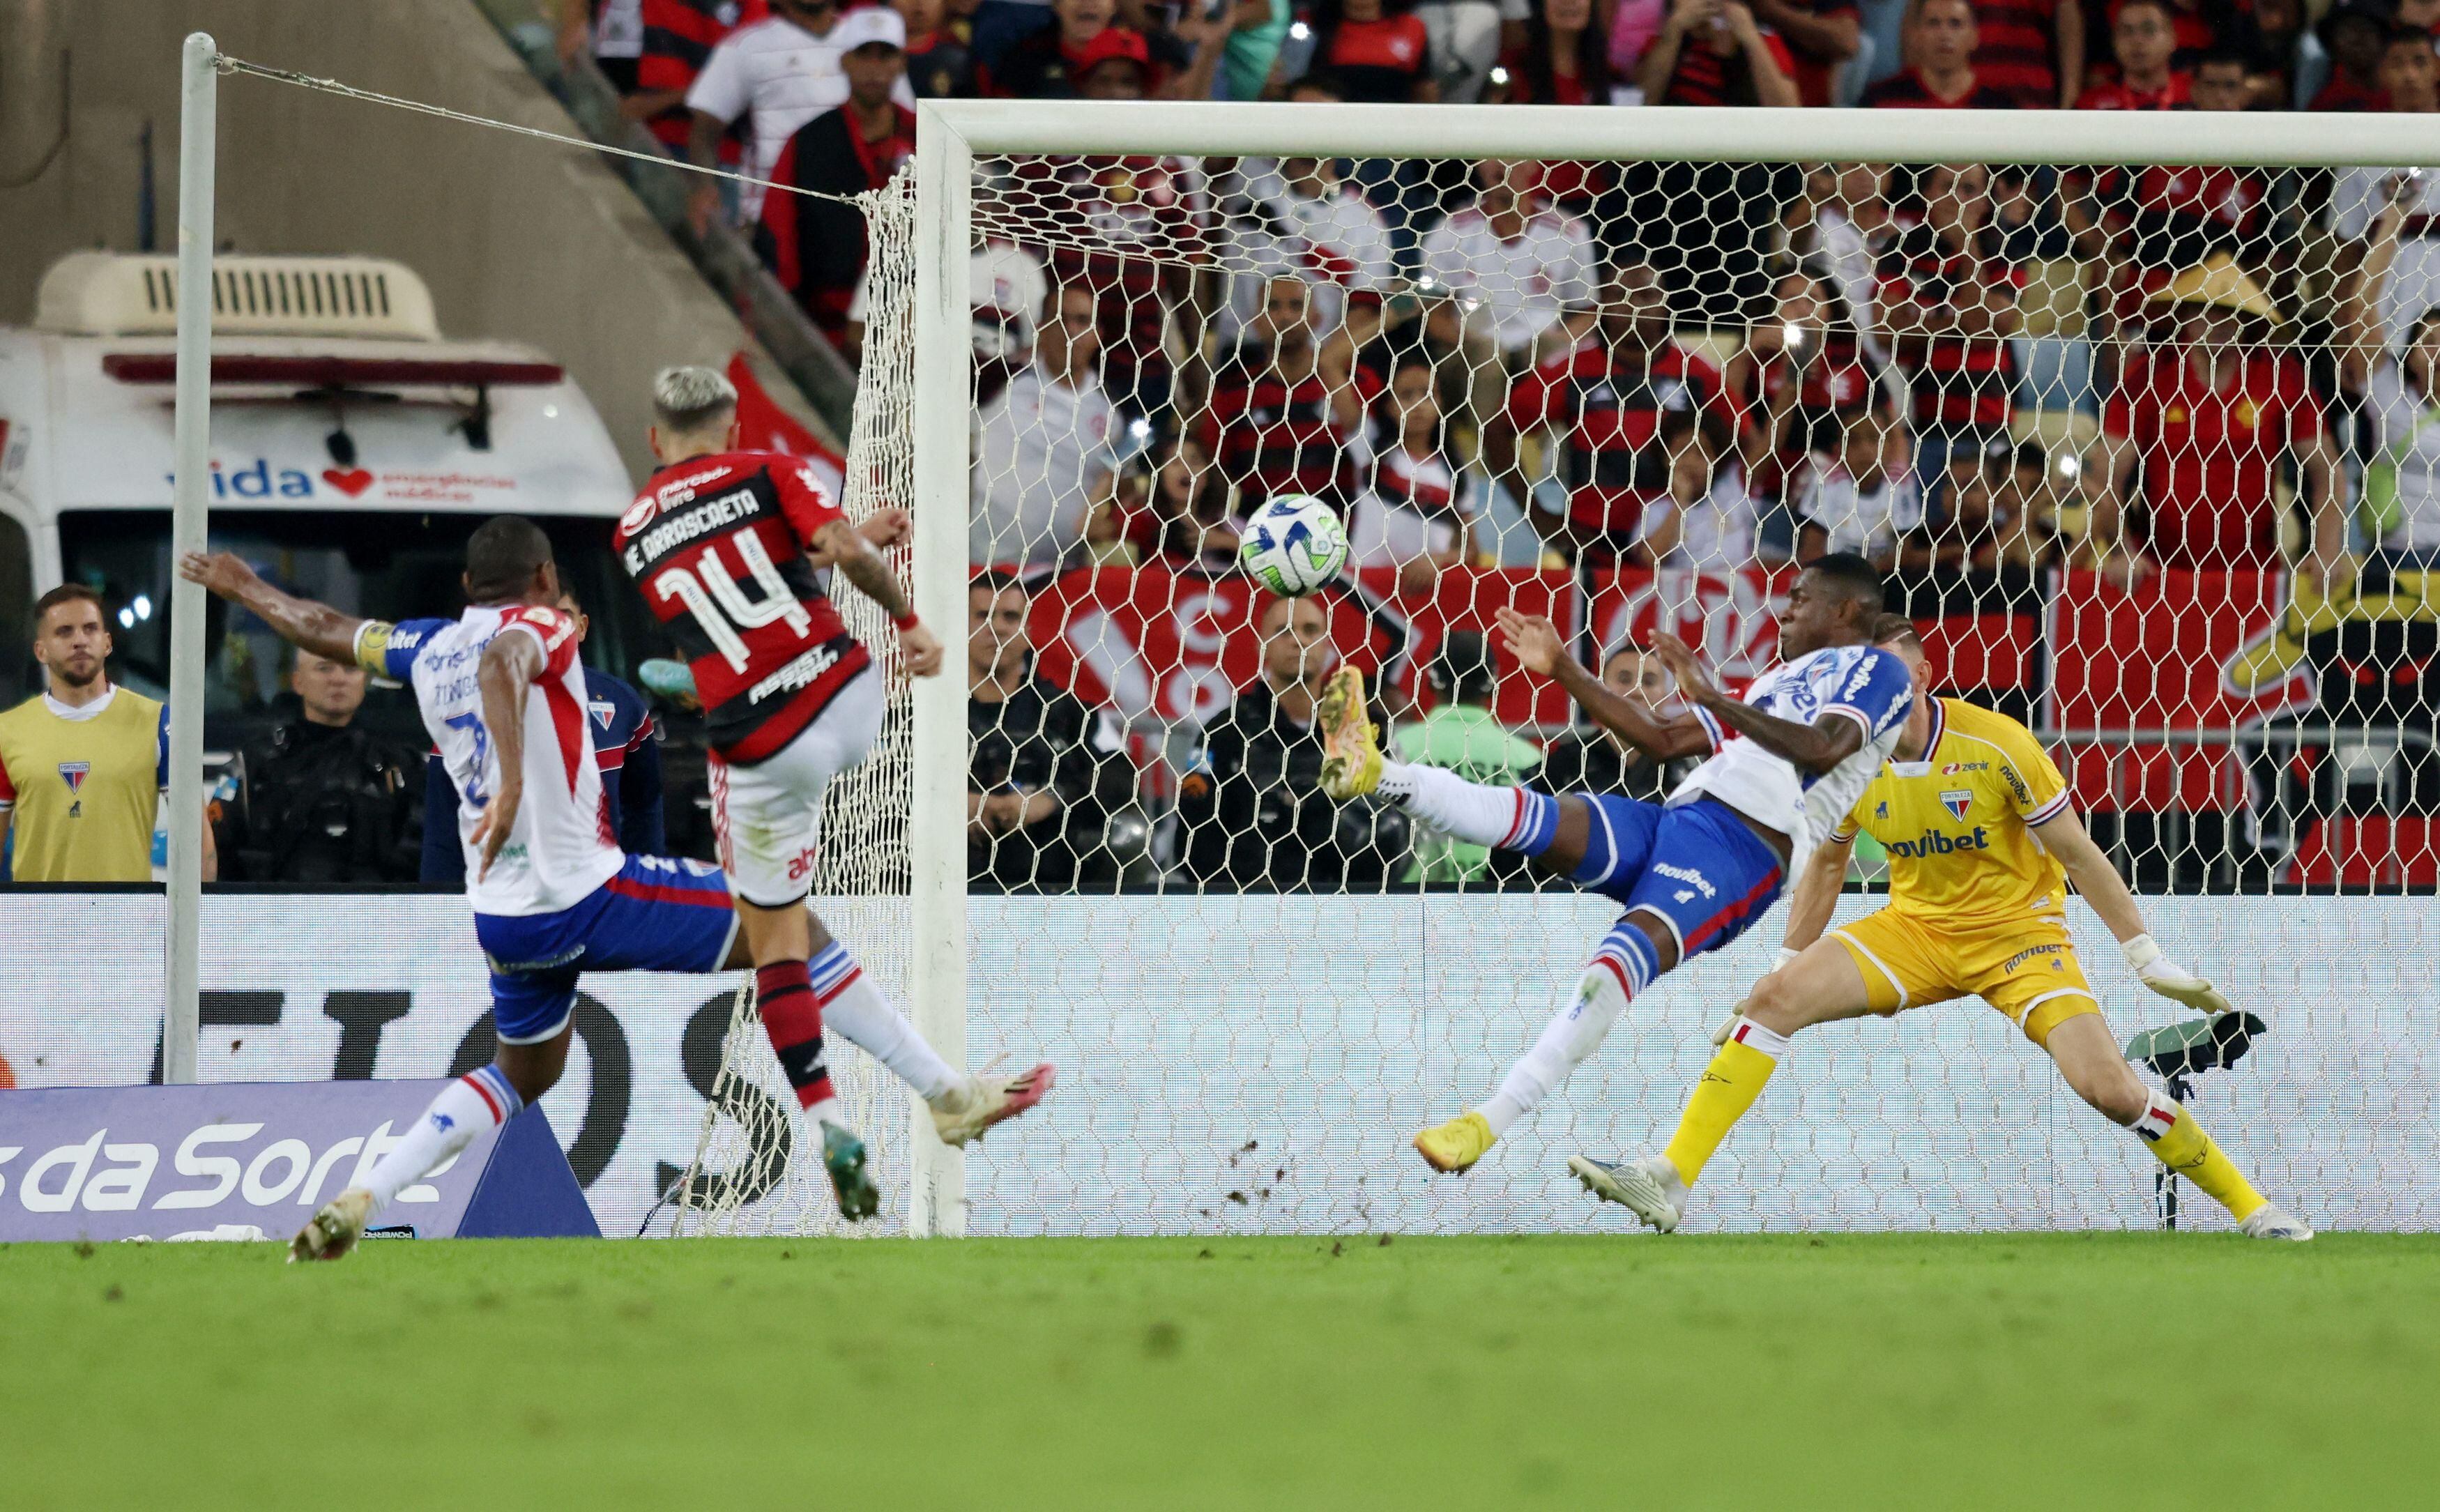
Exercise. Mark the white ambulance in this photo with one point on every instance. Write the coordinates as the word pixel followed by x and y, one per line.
pixel 354 450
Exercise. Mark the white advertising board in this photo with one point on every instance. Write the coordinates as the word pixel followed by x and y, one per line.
pixel 1259 1064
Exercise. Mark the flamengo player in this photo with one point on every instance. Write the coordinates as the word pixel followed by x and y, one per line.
pixel 1983 842
pixel 1693 872
pixel 503 696
pixel 724 544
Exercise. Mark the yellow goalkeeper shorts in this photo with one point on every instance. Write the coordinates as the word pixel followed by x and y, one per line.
pixel 2025 967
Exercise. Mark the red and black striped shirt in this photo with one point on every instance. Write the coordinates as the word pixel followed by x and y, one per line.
pixel 1270 437
pixel 2018 53
pixel 1704 77
pixel 1378 62
pixel 816 245
pixel 1906 91
pixel 678 36
pixel 717 547
pixel 1955 383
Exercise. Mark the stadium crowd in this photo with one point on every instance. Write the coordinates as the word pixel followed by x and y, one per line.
pixel 1972 374
pixel 1955 369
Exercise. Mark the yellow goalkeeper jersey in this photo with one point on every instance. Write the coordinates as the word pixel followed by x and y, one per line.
pixel 1958 824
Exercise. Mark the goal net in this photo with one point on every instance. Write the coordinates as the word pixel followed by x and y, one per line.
pixel 2136 416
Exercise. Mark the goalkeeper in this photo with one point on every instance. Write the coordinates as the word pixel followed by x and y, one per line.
pixel 1982 845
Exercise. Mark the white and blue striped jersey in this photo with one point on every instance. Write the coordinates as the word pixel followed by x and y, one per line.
pixel 1868 686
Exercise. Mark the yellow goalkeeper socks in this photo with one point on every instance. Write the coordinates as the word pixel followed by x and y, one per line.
pixel 1728 1088
pixel 2180 1143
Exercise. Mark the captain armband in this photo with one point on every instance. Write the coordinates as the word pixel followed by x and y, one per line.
pixel 372 646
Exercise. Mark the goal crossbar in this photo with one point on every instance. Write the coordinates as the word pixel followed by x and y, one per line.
pixel 1706 134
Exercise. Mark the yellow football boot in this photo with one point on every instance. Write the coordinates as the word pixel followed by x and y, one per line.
pixel 1456 1145
pixel 1351 762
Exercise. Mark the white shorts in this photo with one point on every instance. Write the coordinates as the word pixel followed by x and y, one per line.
pixel 768 816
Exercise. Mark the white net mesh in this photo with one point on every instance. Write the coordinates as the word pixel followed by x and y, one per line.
pixel 757 1167
pixel 2144 452
pixel 2137 447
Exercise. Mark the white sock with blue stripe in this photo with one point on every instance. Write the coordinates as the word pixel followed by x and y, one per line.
pixel 853 1009
pixel 1621 968
pixel 1469 811
pixel 475 1102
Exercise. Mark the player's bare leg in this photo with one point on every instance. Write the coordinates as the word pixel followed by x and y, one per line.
pixel 1818 986
pixel 2089 1058
pixel 480 1100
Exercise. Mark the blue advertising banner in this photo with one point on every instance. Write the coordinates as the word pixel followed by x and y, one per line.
pixel 172 1162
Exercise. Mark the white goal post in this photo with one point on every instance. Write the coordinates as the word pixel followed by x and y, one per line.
pixel 953 134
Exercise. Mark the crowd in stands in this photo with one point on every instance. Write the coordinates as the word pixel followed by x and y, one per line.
pixel 1671 365
pixel 1971 373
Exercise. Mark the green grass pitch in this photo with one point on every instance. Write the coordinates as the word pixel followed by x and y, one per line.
pixel 2059 1371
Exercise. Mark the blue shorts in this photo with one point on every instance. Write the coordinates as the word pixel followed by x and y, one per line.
pixel 1698 866
pixel 657 914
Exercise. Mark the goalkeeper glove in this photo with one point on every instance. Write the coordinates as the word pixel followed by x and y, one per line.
pixel 1728 1025
pixel 2171 980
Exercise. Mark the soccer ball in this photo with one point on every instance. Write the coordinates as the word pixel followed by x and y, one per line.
pixel 1293 545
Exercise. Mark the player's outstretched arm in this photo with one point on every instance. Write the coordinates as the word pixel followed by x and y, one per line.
pixel 2098 882
pixel 1815 747
pixel 1535 643
pixel 1809 907
pixel 883 528
pixel 856 561
pixel 509 667
pixel 1816 895
pixel 316 627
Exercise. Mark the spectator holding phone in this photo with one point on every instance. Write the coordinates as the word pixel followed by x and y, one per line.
pixel 1712 52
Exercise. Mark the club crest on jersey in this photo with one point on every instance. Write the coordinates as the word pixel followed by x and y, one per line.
pixel 74 774
pixel 602 712
pixel 1957 801
pixel 639 513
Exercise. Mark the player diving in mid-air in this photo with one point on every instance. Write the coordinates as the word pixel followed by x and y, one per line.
pixel 1982 841
pixel 1691 872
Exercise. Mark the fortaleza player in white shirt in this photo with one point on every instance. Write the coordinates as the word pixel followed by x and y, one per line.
pixel 503 697
pixel 1693 872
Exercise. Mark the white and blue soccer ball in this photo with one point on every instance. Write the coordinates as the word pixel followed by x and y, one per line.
pixel 1293 545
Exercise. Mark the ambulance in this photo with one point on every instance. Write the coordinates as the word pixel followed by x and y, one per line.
pixel 353 449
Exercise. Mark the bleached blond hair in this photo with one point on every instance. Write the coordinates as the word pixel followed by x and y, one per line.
pixel 687 401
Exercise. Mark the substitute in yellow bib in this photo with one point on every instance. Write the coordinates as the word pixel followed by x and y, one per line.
pixel 83 764
pixel 1984 843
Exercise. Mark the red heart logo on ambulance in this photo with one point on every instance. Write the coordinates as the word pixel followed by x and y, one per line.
pixel 351 482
